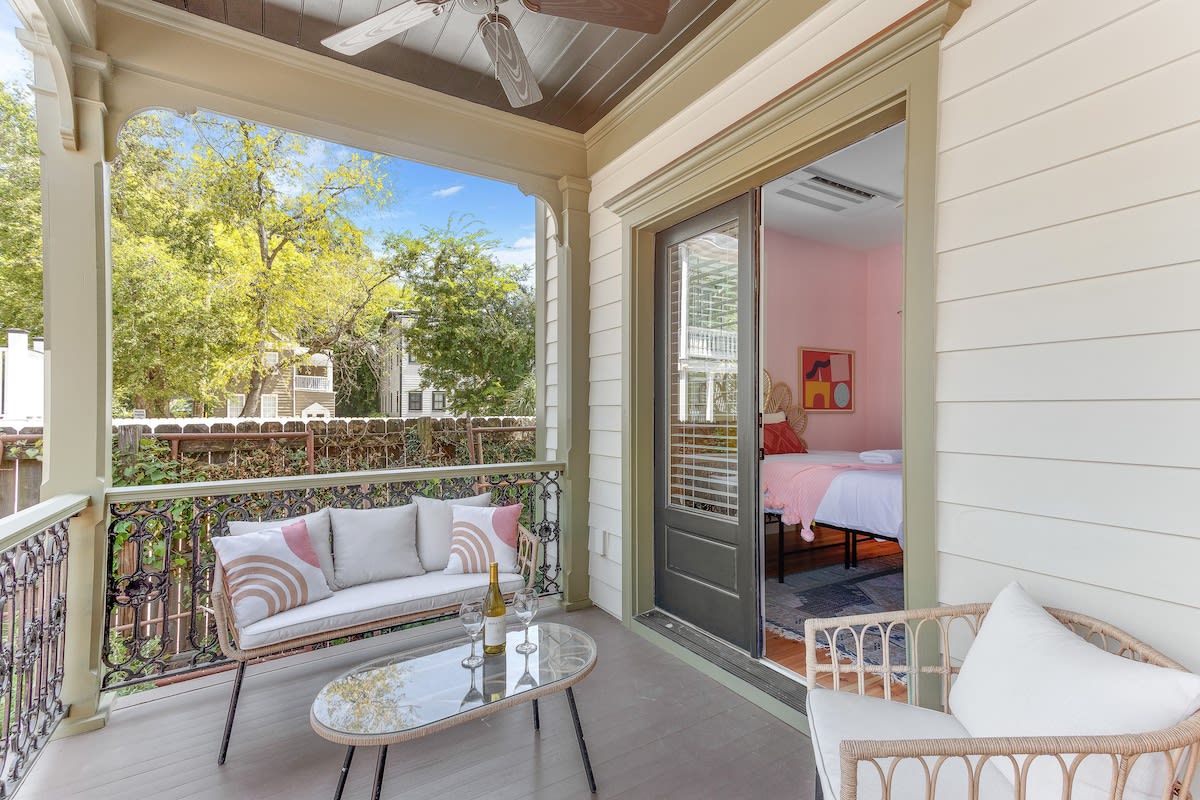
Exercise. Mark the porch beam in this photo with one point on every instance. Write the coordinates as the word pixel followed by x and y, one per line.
pixel 76 280
pixel 156 49
pixel 574 270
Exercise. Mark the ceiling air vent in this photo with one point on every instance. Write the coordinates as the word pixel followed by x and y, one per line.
pixel 841 187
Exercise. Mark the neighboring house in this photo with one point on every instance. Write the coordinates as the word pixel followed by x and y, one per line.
pixel 1050 251
pixel 21 378
pixel 300 384
pixel 400 390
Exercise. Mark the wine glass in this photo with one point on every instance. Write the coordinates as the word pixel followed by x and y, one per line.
pixel 470 613
pixel 474 697
pixel 525 603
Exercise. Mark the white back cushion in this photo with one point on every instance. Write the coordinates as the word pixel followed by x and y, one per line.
pixel 1026 674
pixel 318 532
pixel 374 544
pixel 433 527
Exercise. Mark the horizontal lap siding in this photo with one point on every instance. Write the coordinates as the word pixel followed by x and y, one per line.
pixel 604 408
pixel 1068 429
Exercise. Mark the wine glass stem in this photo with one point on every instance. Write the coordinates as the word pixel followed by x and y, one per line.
pixel 526 633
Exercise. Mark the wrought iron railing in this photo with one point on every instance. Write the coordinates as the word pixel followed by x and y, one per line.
pixel 160 556
pixel 33 615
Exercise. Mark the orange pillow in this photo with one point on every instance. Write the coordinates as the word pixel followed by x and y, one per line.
pixel 778 438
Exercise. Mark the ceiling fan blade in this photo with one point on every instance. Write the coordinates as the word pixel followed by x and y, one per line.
pixel 646 16
pixel 396 20
pixel 509 57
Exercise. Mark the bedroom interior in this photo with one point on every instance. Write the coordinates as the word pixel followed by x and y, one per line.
pixel 832 271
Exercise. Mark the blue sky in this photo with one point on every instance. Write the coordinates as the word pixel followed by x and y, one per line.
pixel 422 196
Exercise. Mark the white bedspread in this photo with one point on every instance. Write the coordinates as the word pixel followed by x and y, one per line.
pixel 861 500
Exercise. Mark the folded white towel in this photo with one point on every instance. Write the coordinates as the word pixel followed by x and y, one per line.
pixel 882 457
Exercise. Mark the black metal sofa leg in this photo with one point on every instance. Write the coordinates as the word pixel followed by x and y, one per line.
pixel 233 700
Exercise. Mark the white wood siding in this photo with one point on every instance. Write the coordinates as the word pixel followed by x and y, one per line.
pixel 604 409
pixel 1068 429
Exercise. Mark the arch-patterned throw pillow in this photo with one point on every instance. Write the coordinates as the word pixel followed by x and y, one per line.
pixel 267 572
pixel 479 536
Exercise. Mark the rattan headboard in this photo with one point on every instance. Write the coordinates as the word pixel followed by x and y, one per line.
pixel 777 396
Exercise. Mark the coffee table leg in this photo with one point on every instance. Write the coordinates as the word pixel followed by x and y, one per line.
pixel 587 764
pixel 537 722
pixel 345 771
pixel 379 773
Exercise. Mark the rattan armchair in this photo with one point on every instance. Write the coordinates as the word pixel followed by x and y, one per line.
pixel 922 673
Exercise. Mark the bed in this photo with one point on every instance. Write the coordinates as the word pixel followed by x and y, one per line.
pixel 864 503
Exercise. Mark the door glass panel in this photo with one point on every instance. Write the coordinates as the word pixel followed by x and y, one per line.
pixel 702 373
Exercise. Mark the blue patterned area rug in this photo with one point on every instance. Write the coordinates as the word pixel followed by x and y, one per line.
pixel 875 585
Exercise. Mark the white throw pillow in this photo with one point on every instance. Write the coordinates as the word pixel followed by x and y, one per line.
pixel 374 544
pixel 1026 674
pixel 318 532
pixel 774 418
pixel 433 527
pixel 266 572
pixel 480 536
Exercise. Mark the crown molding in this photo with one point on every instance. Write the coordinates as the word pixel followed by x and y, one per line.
pixel 677 65
pixel 297 58
pixel 923 26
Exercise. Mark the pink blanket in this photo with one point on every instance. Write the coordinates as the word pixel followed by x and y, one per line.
pixel 798 489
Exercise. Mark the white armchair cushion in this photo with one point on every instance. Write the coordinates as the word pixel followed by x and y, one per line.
pixel 837 716
pixel 433 527
pixel 1026 674
pixel 374 544
pixel 318 532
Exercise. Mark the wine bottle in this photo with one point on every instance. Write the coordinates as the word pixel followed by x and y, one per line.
pixel 494 633
pixel 495 678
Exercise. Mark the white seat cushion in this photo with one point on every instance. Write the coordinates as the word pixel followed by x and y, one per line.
pixel 836 716
pixel 370 602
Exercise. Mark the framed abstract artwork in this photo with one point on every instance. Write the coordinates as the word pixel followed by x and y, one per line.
pixel 826 379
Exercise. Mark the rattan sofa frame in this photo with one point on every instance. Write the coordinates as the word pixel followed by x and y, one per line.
pixel 928 634
pixel 528 550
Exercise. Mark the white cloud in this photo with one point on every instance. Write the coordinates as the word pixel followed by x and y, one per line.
pixel 449 191
pixel 519 252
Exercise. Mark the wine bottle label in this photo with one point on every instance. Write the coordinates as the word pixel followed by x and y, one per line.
pixel 493 631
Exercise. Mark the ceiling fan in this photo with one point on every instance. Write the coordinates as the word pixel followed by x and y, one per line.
pixel 512 67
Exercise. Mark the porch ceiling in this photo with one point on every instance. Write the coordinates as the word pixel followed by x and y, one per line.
pixel 583 69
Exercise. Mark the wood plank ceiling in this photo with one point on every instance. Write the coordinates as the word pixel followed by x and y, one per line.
pixel 583 69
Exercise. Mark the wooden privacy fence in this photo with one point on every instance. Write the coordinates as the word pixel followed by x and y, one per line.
pixel 20 472
pixel 314 446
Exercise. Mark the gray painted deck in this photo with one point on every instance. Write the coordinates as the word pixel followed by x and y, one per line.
pixel 654 727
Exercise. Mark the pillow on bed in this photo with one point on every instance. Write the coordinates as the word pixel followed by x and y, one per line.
pixel 779 438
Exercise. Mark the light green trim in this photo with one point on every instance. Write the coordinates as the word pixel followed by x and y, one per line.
pixel 18 527
pixel 739 687
pixel 891 78
pixel 129 494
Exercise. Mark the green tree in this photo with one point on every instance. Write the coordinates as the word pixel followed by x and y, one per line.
pixel 472 318
pixel 21 222
pixel 169 338
pixel 298 267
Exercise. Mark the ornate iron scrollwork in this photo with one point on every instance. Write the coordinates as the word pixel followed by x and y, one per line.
pixel 160 557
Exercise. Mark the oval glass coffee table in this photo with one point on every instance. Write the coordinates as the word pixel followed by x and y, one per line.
pixel 425 690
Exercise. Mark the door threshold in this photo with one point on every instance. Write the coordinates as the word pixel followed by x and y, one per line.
pixel 779 684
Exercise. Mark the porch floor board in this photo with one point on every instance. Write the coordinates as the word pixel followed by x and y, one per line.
pixel 654 728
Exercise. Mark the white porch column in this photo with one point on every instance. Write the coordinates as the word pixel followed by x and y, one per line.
pixel 574 267
pixel 76 281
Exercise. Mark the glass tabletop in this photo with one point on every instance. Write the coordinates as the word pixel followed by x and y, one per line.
pixel 427 685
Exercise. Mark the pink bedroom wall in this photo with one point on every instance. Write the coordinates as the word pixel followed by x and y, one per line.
pixel 814 294
pixel 821 295
pixel 885 331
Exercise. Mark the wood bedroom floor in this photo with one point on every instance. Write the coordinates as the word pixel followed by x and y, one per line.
pixel 790 654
